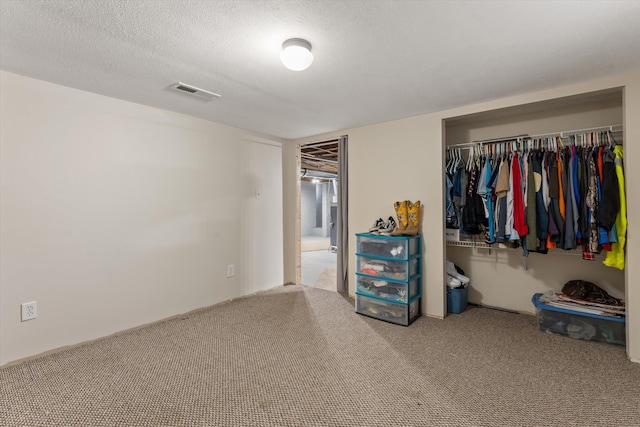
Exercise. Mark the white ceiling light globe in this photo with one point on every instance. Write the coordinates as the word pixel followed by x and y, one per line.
pixel 296 54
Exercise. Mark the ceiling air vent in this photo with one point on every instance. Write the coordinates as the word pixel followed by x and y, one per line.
pixel 195 91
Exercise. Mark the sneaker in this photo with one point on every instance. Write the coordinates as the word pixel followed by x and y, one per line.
pixel 389 227
pixel 397 251
pixel 377 225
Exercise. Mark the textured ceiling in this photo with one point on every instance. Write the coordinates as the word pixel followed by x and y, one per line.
pixel 374 60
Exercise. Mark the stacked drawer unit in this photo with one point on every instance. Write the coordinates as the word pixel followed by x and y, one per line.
pixel 388 277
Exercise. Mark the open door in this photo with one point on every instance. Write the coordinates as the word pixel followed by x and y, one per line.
pixel 321 213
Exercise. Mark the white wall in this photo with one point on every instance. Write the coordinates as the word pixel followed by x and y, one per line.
pixel 114 214
pixel 408 155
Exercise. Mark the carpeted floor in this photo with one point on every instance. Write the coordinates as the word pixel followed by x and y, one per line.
pixel 300 356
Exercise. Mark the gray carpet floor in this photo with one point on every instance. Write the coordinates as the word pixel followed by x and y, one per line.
pixel 300 356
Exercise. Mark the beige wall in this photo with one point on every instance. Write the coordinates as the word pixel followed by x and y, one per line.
pixel 403 159
pixel 114 214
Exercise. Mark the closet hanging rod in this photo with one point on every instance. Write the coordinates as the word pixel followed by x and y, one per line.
pixel 489 141
pixel 612 128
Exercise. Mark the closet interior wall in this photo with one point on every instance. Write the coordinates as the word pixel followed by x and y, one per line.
pixel 502 278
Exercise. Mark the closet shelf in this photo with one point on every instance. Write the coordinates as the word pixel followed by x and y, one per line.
pixel 562 134
pixel 483 245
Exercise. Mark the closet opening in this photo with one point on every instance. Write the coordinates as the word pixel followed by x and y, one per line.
pixel 503 275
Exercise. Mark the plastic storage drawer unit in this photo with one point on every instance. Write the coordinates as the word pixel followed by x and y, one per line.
pixel 399 313
pixel 388 277
pixel 386 289
pixel 387 269
pixel 578 325
pixel 387 246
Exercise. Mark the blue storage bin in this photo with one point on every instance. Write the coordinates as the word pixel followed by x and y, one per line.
pixel 393 312
pixel 578 325
pixel 457 299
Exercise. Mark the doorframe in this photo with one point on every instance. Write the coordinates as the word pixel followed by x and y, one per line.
pixel 298 220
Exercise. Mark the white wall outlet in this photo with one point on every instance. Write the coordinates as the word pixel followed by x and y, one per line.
pixel 231 270
pixel 29 310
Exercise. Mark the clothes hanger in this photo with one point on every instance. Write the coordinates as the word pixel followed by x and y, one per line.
pixel 454 161
pixel 612 139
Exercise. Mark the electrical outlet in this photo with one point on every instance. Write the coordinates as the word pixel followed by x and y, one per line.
pixel 29 310
pixel 230 270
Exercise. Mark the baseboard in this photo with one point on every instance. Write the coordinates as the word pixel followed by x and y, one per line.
pixel 433 316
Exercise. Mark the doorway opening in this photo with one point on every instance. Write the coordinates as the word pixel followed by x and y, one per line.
pixel 319 208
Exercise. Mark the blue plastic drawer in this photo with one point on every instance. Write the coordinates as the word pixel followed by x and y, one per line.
pixel 387 269
pixel 398 247
pixel 577 325
pixel 401 314
pixel 387 290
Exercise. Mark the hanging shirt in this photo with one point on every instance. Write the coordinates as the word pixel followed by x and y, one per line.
pixel 473 215
pixel 482 187
pixel 556 222
pixel 482 181
pixel 545 180
pixel 561 199
pixel 450 211
pixel 571 222
pixel 519 222
pixel 542 215
pixel 501 190
pixel 615 258
pixel 592 203
pixel 531 205
pixel 575 166
pixel 510 232
pixel 610 201
pixel 583 185
pixel 603 236
pixel 493 181
pixel 489 235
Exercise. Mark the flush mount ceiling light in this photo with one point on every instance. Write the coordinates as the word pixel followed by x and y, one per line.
pixel 296 54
